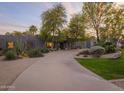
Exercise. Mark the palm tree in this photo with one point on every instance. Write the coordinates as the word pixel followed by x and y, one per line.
pixel 32 29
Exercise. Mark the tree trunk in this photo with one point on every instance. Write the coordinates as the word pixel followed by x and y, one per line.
pixel 97 35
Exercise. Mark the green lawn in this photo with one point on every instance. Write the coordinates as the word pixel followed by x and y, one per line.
pixel 106 68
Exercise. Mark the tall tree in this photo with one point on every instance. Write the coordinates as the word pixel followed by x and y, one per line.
pixel 52 21
pixel 77 27
pixel 96 14
pixel 27 33
pixel 114 24
pixel 33 29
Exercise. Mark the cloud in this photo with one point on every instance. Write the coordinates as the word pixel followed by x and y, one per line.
pixel 120 3
pixel 10 28
pixel 2 15
pixel 6 27
pixel 69 9
pixel 72 8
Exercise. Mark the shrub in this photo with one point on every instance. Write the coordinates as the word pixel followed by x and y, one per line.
pixel 6 50
pixel 97 51
pixel 44 50
pixel 109 47
pixel 18 47
pixel 34 53
pixel 24 54
pixel 84 52
pixel 10 55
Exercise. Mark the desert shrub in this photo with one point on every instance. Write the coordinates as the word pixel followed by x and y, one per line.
pixel 18 47
pixel 24 54
pixel 84 52
pixel 10 55
pixel 34 53
pixel 97 51
pixel 109 47
pixel 6 50
pixel 44 50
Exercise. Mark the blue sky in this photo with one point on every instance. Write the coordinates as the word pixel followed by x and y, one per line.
pixel 19 16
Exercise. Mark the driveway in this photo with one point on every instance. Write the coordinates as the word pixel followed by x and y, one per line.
pixel 60 71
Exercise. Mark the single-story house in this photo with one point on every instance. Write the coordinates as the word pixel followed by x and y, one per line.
pixel 29 41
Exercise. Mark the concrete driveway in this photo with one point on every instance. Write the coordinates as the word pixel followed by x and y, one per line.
pixel 60 71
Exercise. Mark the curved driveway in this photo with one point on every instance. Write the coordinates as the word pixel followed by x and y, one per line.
pixel 60 71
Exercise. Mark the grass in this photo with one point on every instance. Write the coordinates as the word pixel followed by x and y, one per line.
pixel 107 68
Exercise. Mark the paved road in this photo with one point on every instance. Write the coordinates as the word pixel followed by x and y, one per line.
pixel 60 71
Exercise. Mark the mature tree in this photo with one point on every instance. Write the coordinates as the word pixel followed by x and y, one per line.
pixel 8 33
pixel 64 35
pixel 77 27
pixel 45 36
pixel 96 14
pixel 27 33
pixel 16 33
pixel 52 21
pixel 33 29
pixel 46 28
pixel 114 24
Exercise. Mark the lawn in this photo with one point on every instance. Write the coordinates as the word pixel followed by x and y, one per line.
pixel 107 68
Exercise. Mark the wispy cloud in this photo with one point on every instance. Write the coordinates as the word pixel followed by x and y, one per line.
pixel 10 28
pixel 18 16
pixel 2 14
pixel 71 8
pixel 120 3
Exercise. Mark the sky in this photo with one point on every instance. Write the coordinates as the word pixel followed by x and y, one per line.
pixel 19 16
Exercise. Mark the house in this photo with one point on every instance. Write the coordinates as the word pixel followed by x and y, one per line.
pixel 26 41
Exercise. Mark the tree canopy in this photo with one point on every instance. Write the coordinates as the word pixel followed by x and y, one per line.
pixel 33 29
pixel 53 21
pixel 77 27
pixel 96 13
pixel 105 18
